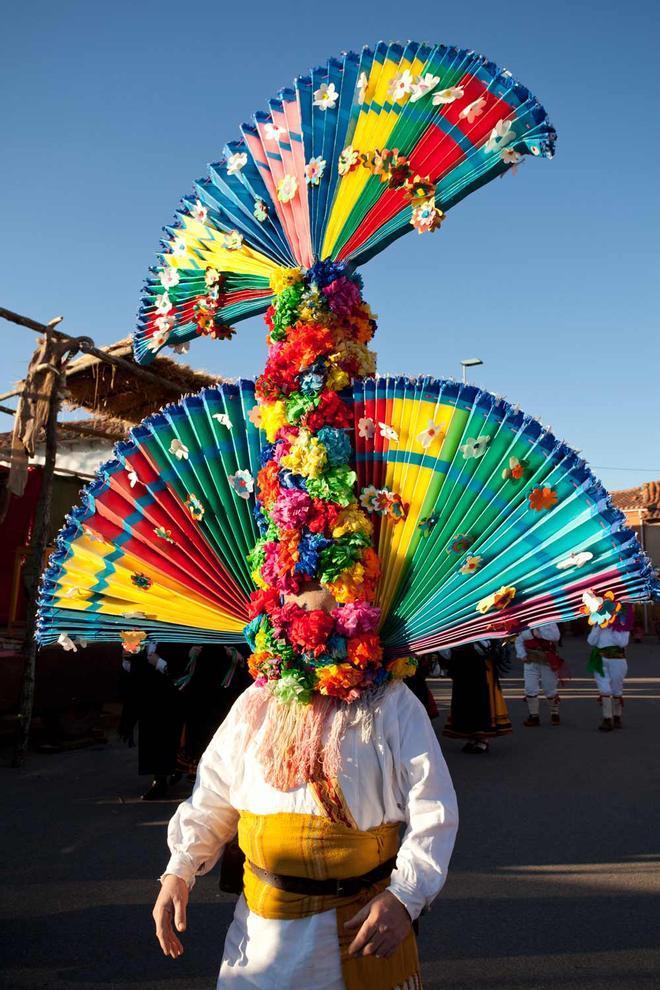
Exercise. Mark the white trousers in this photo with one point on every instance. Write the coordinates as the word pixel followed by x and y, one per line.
pixel 611 682
pixel 540 677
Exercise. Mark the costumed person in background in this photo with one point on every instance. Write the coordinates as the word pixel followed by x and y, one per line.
pixel 478 710
pixel 212 681
pixel 419 687
pixel 153 704
pixel 609 666
pixel 544 669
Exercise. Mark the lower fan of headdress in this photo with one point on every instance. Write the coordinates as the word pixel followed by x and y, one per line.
pixel 486 524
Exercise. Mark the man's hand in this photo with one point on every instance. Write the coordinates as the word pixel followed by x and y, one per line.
pixel 171 905
pixel 383 923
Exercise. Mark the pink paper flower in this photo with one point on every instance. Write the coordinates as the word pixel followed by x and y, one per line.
pixel 356 617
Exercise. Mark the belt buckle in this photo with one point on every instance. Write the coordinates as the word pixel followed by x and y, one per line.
pixel 340 888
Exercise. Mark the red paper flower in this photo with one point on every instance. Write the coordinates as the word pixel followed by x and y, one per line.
pixel 309 631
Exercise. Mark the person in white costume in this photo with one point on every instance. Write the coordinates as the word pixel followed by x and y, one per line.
pixel 609 666
pixel 391 771
pixel 536 648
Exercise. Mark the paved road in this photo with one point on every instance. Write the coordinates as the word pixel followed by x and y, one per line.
pixel 554 884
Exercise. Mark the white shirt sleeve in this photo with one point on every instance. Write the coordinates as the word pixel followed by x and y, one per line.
pixel 431 809
pixel 593 638
pixel 548 631
pixel 205 823
pixel 519 644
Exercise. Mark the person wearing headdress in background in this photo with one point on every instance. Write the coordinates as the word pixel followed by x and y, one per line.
pixel 478 710
pixel 608 664
pixel 544 669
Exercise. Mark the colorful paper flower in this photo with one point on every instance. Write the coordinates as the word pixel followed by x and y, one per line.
pixel 511 156
pixel 471 565
pixel 314 170
pixel 369 497
pixel 575 560
pixel 232 241
pixel 132 640
pixel 199 212
pixel 423 85
pixel 401 84
pixel 388 432
pixel 287 188
pixel 179 247
pixel 349 159
pixel 600 610
pixel 499 600
pixel 242 483
pixel 449 95
pixel 428 523
pixel 402 667
pixel 430 435
pixel 212 277
pixel 141 581
pixel 158 339
pixel 473 110
pixel 542 498
pixel 236 162
pixel 475 448
pixel 260 210
pixel 169 277
pixel 223 420
pixel 426 217
pixel 460 543
pixel 195 507
pixel 326 96
pixel 515 470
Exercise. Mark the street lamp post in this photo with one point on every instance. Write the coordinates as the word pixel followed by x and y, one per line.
pixel 469 363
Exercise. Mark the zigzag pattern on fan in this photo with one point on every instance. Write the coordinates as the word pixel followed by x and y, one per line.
pixel 160 541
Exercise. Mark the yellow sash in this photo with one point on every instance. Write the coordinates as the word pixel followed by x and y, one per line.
pixel 318 848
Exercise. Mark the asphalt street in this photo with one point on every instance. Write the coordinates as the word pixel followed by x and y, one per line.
pixel 554 881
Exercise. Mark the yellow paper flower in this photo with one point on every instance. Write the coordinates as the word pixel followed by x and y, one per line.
pixel 348 586
pixel 402 667
pixel 282 278
pixel 258 580
pixel 260 642
pixel 499 600
pixel 351 520
pixel 307 456
pixel 336 378
pixel 273 417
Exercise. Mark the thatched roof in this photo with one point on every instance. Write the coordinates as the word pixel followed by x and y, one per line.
pixel 114 392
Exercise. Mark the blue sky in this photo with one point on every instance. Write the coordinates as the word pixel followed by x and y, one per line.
pixel 550 276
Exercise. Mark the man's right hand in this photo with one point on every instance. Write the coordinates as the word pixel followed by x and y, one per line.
pixel 170 906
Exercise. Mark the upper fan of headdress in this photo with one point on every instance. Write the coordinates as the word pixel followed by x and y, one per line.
pixel 358 152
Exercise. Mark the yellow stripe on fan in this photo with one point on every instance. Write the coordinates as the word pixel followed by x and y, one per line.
pixel 205 249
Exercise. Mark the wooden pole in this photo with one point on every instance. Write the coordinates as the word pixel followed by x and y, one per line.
pixel 73 427
pixel 32 574
pixel 87 346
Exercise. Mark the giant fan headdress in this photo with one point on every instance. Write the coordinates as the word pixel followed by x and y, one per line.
pixel 349 520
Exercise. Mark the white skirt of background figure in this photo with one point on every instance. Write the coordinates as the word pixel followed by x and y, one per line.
pixel 539 677
pixel 610 682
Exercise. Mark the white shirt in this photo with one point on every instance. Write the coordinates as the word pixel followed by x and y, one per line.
pixel 602 638
pixel 399 775
pixel 548 631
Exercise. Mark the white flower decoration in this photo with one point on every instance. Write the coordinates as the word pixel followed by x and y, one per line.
pixel 368 497
pixel 163 303
pixel 132 478
pixel 166 324
pixel 69 643
pixel 169 277
pixel 233 241
pixel 473 110
pixel 448 95
pixel 575 560
pixel 179 247
pixel 211 277
pixel 314 170
pixel 502 134
pixel 287 188
pixel 423 85
pixel 273 132
pixel 199 212
pixel 366 428
pixel 242 483
pixel 362 84
pixel 72 593
pixel 179 450
pixel 430 434
pixel 475 448
pixel 388 432
pixel 511 157
pixel 401 84
pixel 326 96
pixel 223 419
pixel 158 339
pixel 236 162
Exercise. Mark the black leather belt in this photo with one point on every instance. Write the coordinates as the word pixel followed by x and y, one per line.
pixel 348 887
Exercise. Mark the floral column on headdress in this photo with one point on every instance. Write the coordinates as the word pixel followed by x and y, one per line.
pixel 313 531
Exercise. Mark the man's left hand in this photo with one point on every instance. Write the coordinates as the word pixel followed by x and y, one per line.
pixel 383 924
